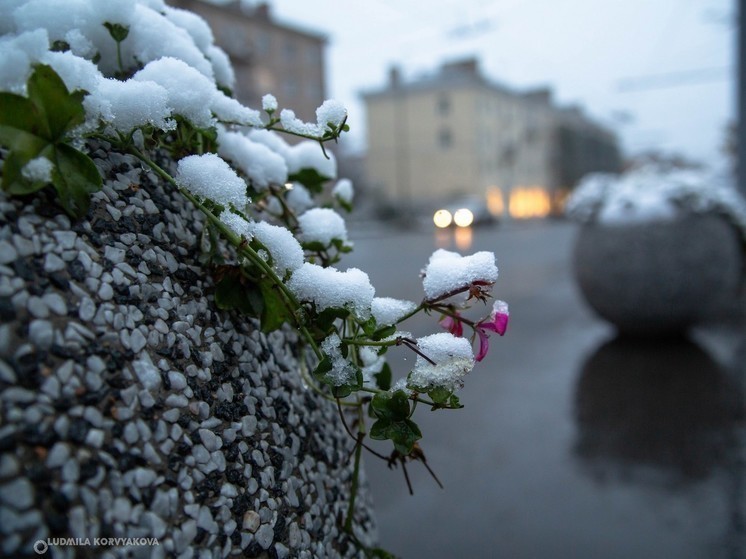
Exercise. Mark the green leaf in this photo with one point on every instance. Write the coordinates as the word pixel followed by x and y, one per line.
pixel 13 181
pixel 275 312
pixel 324 366
pixel 392 407
pixel 310 178
pixel 342 391
pixel 235 292
pixel 344 204
pixel 60 46
pixel 325 319
pixel 380 429
pixel 455 402
pixel 382 333
pixel 117 31
pixel 383 379
pixel 61 109
pixel 20 121
pixel 342 246
pixel 75 177
pixel 314 246
pixel 439 395
pixel 404 434
pixel 369 326
pixel 399 406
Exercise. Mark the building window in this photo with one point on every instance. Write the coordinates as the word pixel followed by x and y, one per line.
pixel 443 106
pixel 312 56
pixel 263 42
pixel 290 50
pixel 445 139
pixel 289 87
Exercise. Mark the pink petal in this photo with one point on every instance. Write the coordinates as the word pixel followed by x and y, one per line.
pixel 454 326
pixel 501 323
pixel 484 344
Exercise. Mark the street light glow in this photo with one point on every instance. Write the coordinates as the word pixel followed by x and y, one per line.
pixel 442 218
pixel 463 217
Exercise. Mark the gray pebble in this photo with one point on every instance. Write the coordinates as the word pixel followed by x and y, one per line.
pixel 37 307
pixel 9 466
pixel 95 438
pixel 138 341
pixel 106 292
pixel 177 380
pixel 113 212
pixel 53 263
pixel 113 254
pixel 56 303
pixel 58 455
pixel 71 470
pixel 8 253
pixel 41 333
pixel 144 477
pixel 18 494
pixel 51 387
pixel 264 536
pixel 7 374
pixel 18 395
pixel 211 441
pixel 65 239
pixel 176 401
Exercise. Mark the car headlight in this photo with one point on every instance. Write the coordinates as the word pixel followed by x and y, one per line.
pixel 442 218
pixel 463 217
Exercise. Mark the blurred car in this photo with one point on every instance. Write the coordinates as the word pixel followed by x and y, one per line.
pixel 463 212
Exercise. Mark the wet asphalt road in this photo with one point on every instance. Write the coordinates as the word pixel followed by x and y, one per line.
pixel 572 444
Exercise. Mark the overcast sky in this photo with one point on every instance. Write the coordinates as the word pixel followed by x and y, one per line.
pixel 659 71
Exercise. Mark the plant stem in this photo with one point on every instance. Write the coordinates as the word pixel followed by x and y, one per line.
pixel 234 240
pixel 356 468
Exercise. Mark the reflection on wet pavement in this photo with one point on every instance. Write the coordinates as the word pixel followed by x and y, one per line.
pixel 663 404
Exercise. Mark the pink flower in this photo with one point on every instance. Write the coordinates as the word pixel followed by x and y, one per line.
pixel 453 325
pixel 497 322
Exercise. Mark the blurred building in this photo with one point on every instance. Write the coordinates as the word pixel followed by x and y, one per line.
pixel 457 133
pixel 268 56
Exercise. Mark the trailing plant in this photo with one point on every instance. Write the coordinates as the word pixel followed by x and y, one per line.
pixel 273 203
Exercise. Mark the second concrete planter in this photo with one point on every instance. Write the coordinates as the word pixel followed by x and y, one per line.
pixel 658 278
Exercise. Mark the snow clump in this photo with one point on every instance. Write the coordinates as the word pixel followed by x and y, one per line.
pixel 209 176
pixel 343 191
pixel 388 311
pixel 286 252
pixel 342 372
pixel 322 225
pixel 453 359
pixel 38 169
pixel 448 272
pixel 259 163
pixel 237 224
pixel 307 155
pixel 329 288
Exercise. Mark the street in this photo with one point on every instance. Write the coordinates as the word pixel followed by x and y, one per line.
pixel 571 444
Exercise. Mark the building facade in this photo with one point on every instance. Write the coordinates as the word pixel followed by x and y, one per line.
pixel 456 133
pixel 268 56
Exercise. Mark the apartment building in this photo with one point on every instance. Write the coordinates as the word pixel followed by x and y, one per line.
pixel 457 133
pixel 268 56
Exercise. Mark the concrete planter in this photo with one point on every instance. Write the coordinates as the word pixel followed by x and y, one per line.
pixel 658 278
pixel 131 407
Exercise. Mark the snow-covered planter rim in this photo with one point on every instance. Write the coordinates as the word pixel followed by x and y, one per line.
pixel 651 194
